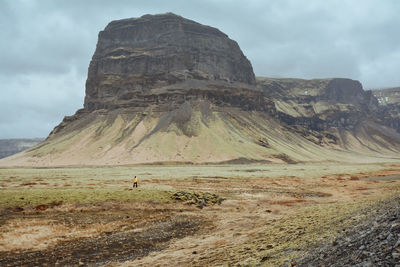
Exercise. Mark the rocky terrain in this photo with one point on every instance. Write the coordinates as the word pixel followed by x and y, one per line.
pixel 10 147
pixel 113 246
pixel 165 89
pixel 389 106
pixel 387 96
pixel 374 241
pixel 320 104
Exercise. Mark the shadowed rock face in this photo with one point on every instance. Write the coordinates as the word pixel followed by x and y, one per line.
pixel 389 109
pixel 163 52
pixel 347 91
pixel 320 104
pixel 333 90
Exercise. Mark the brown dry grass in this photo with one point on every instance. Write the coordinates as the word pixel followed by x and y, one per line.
pixel 254 224
pixel 38 234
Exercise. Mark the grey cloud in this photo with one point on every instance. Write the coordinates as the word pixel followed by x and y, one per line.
pixel 31 106
pixel 47 46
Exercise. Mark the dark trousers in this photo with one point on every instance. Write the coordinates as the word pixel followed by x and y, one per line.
pixel 134 184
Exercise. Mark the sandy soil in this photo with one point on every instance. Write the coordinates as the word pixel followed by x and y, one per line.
pixel 262 220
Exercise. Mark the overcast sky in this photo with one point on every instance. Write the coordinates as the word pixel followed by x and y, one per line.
pixel 46 46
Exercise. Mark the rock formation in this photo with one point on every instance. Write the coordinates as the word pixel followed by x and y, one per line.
pixel 144 61
pixel 162 88
pixel 389 106
pixel 320 103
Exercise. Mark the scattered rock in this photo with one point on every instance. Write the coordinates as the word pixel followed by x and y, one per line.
pixel 371 242
pixel 42 207
pixel 56 203
pixel 199 199
pixel 265 258
pixel 105 249
pixel 15 209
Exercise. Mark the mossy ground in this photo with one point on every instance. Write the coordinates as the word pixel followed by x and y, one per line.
pixel 46 196
pixel 287 240
pixel 272 213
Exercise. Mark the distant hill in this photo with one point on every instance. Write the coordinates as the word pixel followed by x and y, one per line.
pixel 10 147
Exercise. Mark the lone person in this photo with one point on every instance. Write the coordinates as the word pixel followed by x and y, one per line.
pixel 135 181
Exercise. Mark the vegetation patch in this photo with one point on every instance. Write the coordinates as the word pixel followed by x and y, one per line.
pixel 48 196
pixel 285 241
pixel 199 199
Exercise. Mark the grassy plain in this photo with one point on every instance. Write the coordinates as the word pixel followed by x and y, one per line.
pixel 272 213
pixel 34 186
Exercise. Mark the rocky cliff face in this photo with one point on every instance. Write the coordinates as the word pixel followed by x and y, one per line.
pixel 388 96
pixel 320 103
pixel 389 106
pixel 320 109
pixel 151 59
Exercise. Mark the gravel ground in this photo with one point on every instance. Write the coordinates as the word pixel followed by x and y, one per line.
pixel 374 241
pixel 110 247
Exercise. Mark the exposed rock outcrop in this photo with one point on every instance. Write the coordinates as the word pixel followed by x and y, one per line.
pixel 159 59
pixel 320 103
pixel 372 242
pixel 388 96
pixel 389 109
pixel 325 110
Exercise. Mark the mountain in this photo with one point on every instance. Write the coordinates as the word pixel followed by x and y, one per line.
pixel 10 147
pixel 389 100
pixel 332 112
pixel 165 89
pixel 388 96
